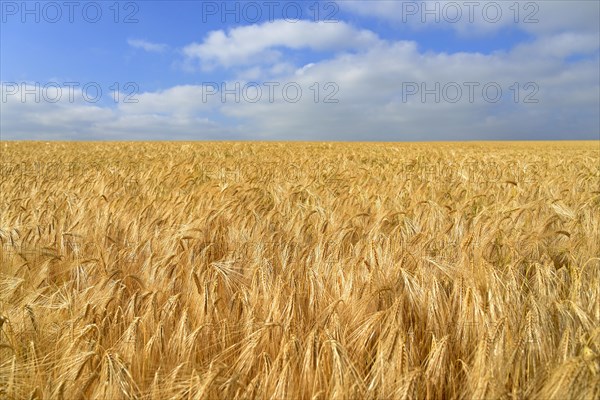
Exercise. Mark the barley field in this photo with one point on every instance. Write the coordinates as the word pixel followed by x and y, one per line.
pixel 300 270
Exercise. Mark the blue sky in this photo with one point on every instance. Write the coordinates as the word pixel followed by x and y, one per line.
pixel 366 70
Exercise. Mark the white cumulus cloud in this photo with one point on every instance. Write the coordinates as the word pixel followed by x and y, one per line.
pixel 249 44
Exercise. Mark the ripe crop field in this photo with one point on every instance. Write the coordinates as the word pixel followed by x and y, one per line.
pixel 300 270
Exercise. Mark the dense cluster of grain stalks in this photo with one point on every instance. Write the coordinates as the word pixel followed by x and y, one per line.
pixel 300 271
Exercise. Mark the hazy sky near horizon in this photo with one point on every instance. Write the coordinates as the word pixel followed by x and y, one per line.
pixel 300 70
